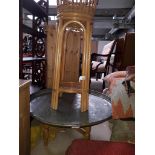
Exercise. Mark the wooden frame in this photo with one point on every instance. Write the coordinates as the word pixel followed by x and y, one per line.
pixel 73 13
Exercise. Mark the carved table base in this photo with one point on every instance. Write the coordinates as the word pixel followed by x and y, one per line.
pixel 51 132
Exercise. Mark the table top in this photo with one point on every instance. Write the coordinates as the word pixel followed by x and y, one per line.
pixel 68 113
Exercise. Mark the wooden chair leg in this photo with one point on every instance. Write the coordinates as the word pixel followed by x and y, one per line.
pixel 96 76
pixel 103 84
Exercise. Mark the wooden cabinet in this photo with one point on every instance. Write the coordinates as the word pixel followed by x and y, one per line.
pixel 24 117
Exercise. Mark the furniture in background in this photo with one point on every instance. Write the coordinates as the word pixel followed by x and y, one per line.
pixel 109 79
pixel 116 56
pixel 124 53
pixel 128 55
pixel 121 89
pixel 100 62
pixel 122 56
pixel 37 73
pixel 24 117
pixel 115 62
pixel 32 40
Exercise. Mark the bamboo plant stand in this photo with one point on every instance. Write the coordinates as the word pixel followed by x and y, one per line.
pixel 75 16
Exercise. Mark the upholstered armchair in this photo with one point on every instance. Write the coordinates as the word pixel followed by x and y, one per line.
pixel 100 62
pixel 121 89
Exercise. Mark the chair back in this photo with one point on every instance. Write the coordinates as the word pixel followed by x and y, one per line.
pixel 108 48
pixel 118 54
pixel 128 55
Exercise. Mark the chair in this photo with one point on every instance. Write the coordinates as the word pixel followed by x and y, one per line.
pixel 100 62
pixel 128 55
pixel 124 53
pixel 116 63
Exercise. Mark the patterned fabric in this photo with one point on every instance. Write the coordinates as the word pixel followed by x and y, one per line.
pixel 91 147
pixel 121 89
pixel 110 77
pixel 123 103
pixel 107 48
pixel 101 65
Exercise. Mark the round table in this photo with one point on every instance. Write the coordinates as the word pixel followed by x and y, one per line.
pixel 68 113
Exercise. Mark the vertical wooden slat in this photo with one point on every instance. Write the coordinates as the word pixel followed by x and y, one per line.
pixel 51 48
pixel 63 58
pixel 56 77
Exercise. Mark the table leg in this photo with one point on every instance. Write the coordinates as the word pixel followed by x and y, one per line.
pixel 45 134
pixel 53 131
pixel 85 131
